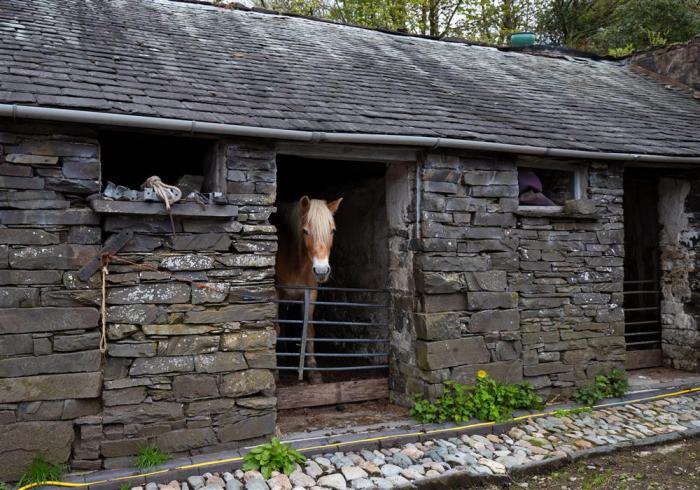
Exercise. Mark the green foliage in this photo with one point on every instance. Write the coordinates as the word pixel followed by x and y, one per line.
pixel 40 470
pixel 565 412
pixel 4 486
pixel 611 385
pixel 488 400
pixel 273 456
pixel 149 457
pixel 124 486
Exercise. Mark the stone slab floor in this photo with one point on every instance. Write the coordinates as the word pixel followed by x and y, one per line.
pixel 540 441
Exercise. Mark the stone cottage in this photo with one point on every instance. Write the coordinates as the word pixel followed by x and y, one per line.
pixel 534 214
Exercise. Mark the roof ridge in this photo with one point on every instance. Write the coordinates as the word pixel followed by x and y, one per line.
pixel 537 50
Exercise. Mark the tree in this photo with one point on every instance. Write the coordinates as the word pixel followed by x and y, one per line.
pixel 618 26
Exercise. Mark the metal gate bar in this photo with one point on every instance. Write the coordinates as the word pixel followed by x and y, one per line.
pixel 639 330
pixel 304 322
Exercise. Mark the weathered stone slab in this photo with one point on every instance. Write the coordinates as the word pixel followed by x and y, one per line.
pixel 208 407
pixel 438 283
pixel 81 169
pixel 247 382
pixel 456 264
pixel 505 371
pixel 186 439
pixel 192 344
pixel 448 353
pixel 233 313
pixel 142 413
pixel 126 396
pixel 437 326
pixel 50 387
pixel 248 427
pixel 25 236
pixel 12 345
pixel 23 320
pixel 64 256
pixel 491 300
pixel 31 159
pixel 194 386
pixel 494 321
pixel 177 329
pixel 219 362
pixel 247 260
pixel 132 349
pixel 70 343
pixel 248 339
pixel 18 297
pixel 70 298
pixel 161 365
pixel 22 441
pixel 167 293
pixel 9 182
pixel 53 217
pixel 19 277
pixel 546 368
pixel 76 362
pixel 203 241
pixel 122 447
pixel 444 302
pixel 189 262
pixel 261 359
pixel 136 314
pixel 209 292
pixel 57 147
pixel 486 281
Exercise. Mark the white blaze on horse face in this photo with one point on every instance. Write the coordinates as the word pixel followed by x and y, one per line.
pixel 318 228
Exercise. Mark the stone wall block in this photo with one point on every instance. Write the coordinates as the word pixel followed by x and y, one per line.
pixel 449 353
pixel 50 387
pixel 491 300
pixel 64 256
pixel 437 326
pixel 505 371
pixel 24 320
pixel 247 382
pixel 219 362
pixel 22 441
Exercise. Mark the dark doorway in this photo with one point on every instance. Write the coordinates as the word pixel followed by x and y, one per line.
pixel 641 283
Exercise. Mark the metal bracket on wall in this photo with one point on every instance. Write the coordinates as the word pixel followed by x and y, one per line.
pixel 112 246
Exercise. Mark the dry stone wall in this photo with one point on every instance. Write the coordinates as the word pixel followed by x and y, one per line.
pixel 679 217
pixel 534 298
pixel 190 323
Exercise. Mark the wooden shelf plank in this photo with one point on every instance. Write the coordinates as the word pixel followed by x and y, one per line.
pixel 332 393
pixel 157 208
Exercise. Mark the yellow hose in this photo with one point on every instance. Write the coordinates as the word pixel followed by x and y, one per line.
pixel 356 441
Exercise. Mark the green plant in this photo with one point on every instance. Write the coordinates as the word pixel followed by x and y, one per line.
pixel 564 412
pixel 488 399
pixel 41 470
pixel 273 456
pixel 613 384
pixel 124 486
pixel 149 457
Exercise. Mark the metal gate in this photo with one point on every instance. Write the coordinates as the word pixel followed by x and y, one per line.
pixel 351 327
pixel 642 323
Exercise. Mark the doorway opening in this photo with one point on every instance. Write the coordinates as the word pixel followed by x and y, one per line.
pixel 352 312
pixel 641 290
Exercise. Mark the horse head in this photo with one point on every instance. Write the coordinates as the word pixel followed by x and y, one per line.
pixel 318 228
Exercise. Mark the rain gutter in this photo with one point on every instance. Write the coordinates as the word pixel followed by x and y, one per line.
pixel 16 112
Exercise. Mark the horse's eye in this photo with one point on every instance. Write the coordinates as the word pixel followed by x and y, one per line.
pixel 306 232
pixel 333 231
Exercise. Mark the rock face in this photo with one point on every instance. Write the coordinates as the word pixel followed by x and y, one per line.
pixel 677 63
pixel 179 334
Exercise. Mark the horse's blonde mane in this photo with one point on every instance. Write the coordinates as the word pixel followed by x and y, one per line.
pixel 319 217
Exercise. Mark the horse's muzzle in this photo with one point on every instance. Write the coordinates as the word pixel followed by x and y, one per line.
pixel 321 272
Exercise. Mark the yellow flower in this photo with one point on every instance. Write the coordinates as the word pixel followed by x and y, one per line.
pixel 481 373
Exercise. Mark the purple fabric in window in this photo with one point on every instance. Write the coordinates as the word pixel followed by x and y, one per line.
pixel 530 187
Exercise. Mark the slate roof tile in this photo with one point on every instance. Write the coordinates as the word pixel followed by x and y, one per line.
pixel 190 61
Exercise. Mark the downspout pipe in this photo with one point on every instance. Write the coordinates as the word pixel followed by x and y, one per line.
pixel 17 112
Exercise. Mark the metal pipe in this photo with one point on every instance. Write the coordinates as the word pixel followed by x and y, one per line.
pixel 15 111
pixel 419 178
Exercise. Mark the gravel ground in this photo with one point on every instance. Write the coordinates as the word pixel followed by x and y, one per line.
pixel 534 441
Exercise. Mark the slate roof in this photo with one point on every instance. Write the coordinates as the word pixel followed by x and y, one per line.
pixel 191 61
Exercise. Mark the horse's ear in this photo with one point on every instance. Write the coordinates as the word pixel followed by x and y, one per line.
pixel 305 203
pixel 333 205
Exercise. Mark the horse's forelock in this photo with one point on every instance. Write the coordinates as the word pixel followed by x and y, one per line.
pixel 320 220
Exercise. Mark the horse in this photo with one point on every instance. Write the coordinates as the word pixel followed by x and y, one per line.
pixel 305 238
